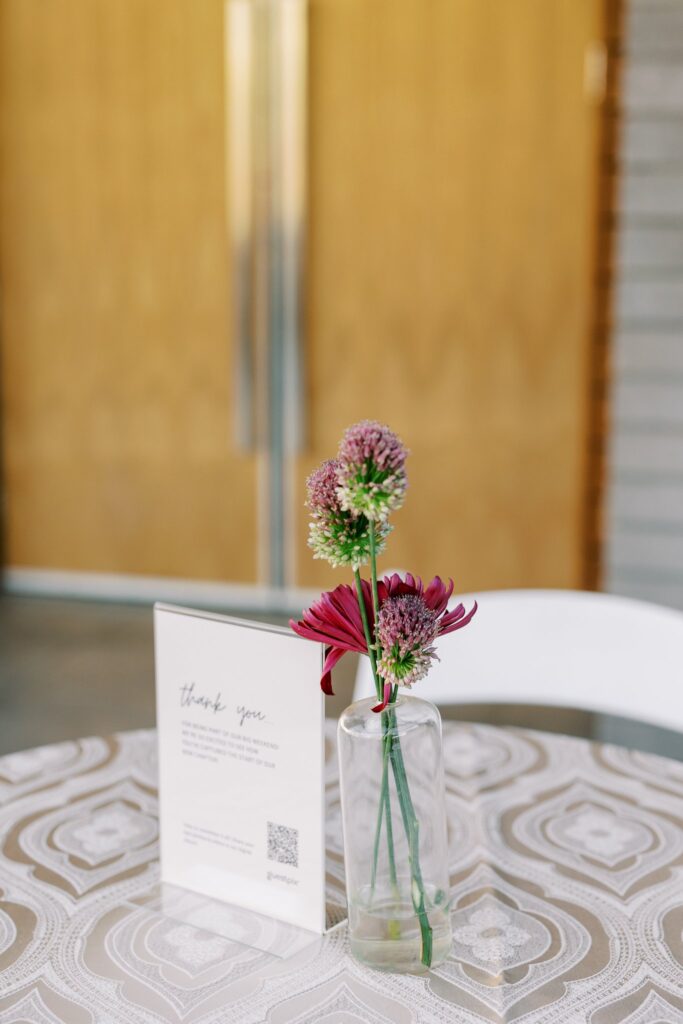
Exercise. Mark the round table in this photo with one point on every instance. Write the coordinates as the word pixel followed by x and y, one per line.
pixel 567 884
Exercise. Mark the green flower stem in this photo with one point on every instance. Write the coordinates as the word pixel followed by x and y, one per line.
pixel 410 822
pixel 373 568
pixel 383 795
pixel 375 845
pixel 366 630
pixel 387 805
pixel 384 799
pixel 384 809
pixel 411 825
pixel 384 812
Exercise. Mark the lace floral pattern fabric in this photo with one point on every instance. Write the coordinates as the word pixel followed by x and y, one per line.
pixel 566 881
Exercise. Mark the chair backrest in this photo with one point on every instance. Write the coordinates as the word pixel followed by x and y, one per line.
pixel 566 648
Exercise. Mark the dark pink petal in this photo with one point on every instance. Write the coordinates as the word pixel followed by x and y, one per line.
pixel 334 624
pixel 453 616
pixel 334 619
pixel 395 586
pixel 385 586
pixel 385 698
pixel 437 594
pixel 344 603
pixel 302 629
pixel 332 656
pixel 326 635
pixel 455 620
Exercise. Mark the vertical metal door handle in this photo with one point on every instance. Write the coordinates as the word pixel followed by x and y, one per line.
pixel 266 49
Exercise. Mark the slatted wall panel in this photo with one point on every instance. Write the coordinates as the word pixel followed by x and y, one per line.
pixel 644 510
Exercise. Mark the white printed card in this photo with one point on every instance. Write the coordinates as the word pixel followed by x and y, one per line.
pixel 241 764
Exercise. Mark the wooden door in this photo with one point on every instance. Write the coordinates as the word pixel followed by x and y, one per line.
pixel 452 217
pixel 452 168
pixel 117 370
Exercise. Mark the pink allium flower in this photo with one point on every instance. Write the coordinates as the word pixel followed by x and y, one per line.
pixel 335 619
pixel 334 534
pixel 321 487
pixel 371 470
pixel 406 630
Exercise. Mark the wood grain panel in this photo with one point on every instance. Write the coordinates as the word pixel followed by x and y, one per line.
pixel 115 280
pixel 452 213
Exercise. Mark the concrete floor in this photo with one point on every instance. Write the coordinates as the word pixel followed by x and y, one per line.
pixel 72 668
pixel 77 668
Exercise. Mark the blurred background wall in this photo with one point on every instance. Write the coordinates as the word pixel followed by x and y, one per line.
pixel 452 164
pixel 644 511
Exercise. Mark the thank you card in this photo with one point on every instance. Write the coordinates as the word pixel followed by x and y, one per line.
pixel 241 764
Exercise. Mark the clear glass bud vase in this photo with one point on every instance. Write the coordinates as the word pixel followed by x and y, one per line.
pixel 395 839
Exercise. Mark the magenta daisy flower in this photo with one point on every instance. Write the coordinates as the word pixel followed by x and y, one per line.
pixel 335 619
pixel 371 470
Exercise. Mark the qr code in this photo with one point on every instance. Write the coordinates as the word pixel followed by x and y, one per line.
pixel 283 844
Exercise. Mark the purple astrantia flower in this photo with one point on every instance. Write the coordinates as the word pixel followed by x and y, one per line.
pixel 406 630
pixel 436 597
pixel 334 534
pixel 371 470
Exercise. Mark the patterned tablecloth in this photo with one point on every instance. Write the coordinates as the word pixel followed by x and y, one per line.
pixel 566 872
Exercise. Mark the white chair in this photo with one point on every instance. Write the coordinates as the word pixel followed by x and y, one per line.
pixel 574 649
